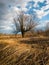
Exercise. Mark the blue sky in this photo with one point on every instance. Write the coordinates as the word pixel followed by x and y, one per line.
pixel 9 8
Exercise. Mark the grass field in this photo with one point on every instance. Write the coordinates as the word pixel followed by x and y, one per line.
pixel 15 50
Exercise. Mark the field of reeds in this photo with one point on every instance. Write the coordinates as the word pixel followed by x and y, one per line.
pixel 15 50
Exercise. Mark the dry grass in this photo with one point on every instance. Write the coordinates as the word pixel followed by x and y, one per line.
pixel 15 50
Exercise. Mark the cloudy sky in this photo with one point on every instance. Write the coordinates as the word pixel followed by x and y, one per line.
pixel 9 8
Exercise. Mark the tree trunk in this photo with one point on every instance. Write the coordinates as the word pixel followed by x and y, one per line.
pixel 22 34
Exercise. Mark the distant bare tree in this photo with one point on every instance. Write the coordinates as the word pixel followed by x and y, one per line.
pixel 26 23
pixel 47 26
pixel 47 29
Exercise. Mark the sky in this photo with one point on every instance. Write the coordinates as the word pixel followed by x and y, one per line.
pixel 9 9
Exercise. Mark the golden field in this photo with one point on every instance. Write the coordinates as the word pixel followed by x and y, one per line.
pixel 15 50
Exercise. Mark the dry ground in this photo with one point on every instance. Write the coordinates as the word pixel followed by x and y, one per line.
pixel 15 50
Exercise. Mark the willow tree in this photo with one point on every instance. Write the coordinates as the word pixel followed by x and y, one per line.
pixel 26 23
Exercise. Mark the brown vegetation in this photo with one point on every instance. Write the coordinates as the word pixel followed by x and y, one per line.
pixel 24 51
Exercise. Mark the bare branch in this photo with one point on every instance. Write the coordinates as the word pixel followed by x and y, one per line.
pixel 26 23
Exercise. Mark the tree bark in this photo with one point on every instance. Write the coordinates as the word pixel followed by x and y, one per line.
pixel 22 34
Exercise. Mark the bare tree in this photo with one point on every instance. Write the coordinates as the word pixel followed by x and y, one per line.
pixel 26 23
pixel 47 29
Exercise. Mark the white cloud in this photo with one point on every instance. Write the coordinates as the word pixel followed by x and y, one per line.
pixel 24 9
pixel 45 7
pixel 9 28
pixel 6 27
pixel 36 1
pixel 15 10
pixel 42 12
pixel 47 1
pixel 9 14
pixel 43 24
pixel 14 2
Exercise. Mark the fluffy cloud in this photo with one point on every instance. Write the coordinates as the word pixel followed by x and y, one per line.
pixel 41 13
pixel 22 4
pixel 43 24
pixel 36 2
pixel 5 27
pixel 45 7
pixel 14 2
pixel 6 4
pixel 9 9
pixel 47 1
